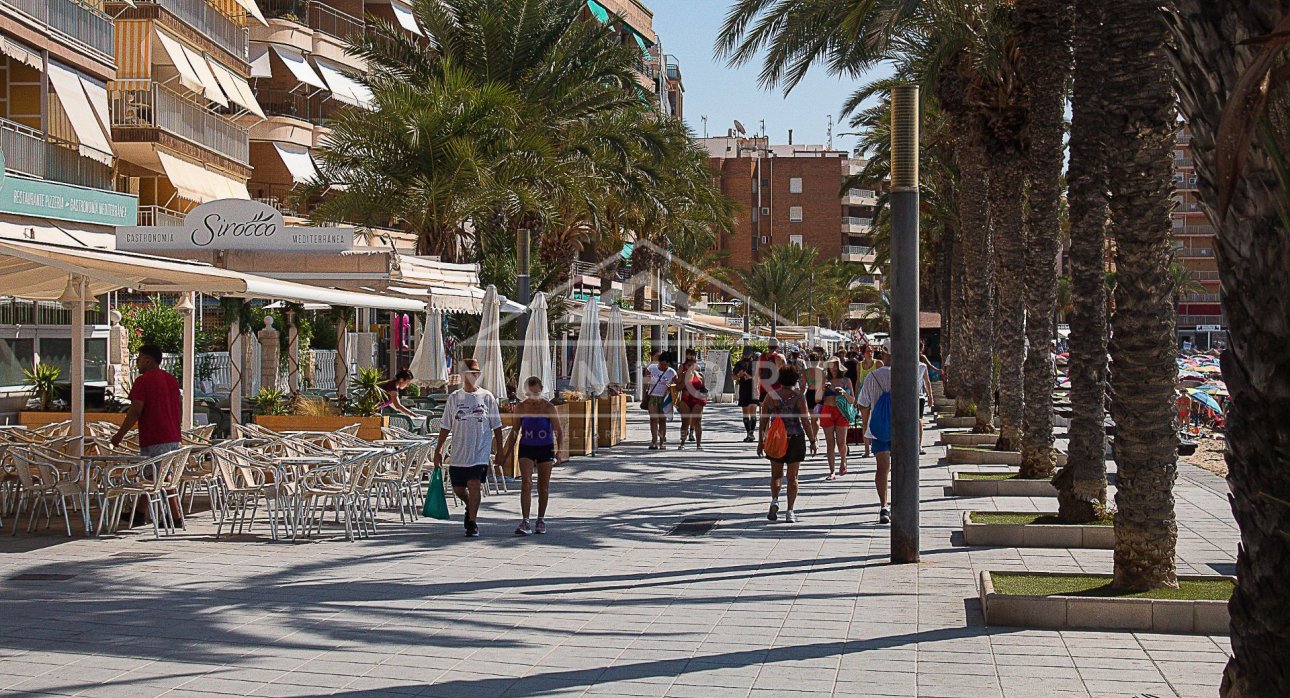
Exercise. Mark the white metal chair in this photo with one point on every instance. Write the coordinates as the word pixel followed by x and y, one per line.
pixel 45 475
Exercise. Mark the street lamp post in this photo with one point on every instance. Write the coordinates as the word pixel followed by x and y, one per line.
pixel 523 240
pixel 904 324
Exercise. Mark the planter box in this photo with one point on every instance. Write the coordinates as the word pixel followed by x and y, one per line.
pixel 1000 488
pixel 611 420
pixel 977 455
pixel 369 427
pixel 1100 537
pixel 967 438
pixel 33 420
pixel 1208 617
pixel 575 417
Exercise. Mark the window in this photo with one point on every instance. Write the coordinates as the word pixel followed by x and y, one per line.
pixel 755 215
pixel 795 185
pixel 795 214
pixel 795 240
pixel 765 182
pixel 16 355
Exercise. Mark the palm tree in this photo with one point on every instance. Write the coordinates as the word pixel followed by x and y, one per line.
pixel 1081 483
pixel 1183 282
pixel 1223 50
pixel 780 282
pixel 1044 40
pixel 1139 107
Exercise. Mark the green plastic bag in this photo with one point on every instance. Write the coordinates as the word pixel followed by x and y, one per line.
pixel 436 503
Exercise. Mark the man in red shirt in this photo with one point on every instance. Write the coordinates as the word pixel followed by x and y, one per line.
pixel 154 406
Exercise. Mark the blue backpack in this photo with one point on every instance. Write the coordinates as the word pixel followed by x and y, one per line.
pixel 880 419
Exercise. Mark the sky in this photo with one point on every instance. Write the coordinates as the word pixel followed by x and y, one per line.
pixel 688 30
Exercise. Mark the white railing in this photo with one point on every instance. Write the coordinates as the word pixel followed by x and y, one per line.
pixel 158 106
pixel 36 153
pixel 856 250
pixel 849 222
pixel 78 21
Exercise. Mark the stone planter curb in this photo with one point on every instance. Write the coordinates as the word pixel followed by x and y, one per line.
pixel 1000 488
pixel 962 454
pixel 967 438
pixel 1094 613
pixel 1037 535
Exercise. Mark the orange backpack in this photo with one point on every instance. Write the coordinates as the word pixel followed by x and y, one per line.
pixel 776 443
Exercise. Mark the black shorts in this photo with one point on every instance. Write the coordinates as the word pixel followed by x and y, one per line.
pixel 810 400
pixel 796 452
pixel 460 475
pixel 746 396
pixel 922 406
pixel 538 453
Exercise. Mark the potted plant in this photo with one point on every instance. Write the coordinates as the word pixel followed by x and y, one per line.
pixel 43 379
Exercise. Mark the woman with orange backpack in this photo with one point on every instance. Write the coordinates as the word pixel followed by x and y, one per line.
pixel 783 438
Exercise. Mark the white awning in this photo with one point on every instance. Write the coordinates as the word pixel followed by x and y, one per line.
pixel 298 161
pixel 179 57
pixel 343 87
pixel 253 10
pixel 264 287
pixel 58 232
pixel 210 85
pixel 21 53
pixel 403 13
pixel 76 104
pixel 299 67
pixel 196 183
pixel 456 300
pixel 236 87
pixel 260 67
pixel 97 93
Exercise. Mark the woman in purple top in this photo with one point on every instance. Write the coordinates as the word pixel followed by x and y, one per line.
pixel 539 437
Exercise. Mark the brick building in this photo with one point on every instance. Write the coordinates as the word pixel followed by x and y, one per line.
pixel 791 195
pixel 1200 317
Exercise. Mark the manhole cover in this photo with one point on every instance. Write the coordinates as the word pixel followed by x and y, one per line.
pixel 696 526
pixel 41 577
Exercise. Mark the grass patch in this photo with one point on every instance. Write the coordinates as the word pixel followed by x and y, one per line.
pixel 988 476
pixel 1100 586
pixel 1005 517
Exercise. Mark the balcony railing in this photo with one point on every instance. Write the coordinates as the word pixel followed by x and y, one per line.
pixel 860 197
pixel 1193 230
pixel 209 22
pixel 856 222
pixel 83 24
pixel 1201 298
pixel 1182 162
pixel 162 108
pixel 278 101
pixel 1203 275
pixel 1194 252
pixel 1193 320
pixel 43 156
pixel 159 216
pixel 857 251
pixel 316 15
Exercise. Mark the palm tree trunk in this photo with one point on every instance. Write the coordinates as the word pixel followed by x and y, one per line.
pixel 1044 39
pixel 973 363
pixel 1140 134
pixel 1081 484
pixel 1010 260
pixel 1253 244
pixel 958 309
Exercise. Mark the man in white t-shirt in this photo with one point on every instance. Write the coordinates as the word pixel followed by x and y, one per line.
pixel 472 417
pixel 659 377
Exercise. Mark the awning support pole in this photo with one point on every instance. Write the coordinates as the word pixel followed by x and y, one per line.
pixel 188 359
pixel 78 367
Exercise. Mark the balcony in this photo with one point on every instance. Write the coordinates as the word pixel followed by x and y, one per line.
pixel 856 226
pixel 1194 320
pixel 159 216
pixel 860 197
pixel 315 15
pixel 40 155
pixel 82 24
pixel 1201 298
pixel 208 22
pixel 1194 230
pixel 162 108
pixel 1194 252
pixel 1182 162
pixel 1202 275
pixel 279 101
pixel 854 253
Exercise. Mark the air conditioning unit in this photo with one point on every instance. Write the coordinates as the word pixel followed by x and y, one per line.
pixel 765 210
pixel 765 239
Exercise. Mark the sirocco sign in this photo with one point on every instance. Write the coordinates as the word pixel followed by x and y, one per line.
pixel 234 224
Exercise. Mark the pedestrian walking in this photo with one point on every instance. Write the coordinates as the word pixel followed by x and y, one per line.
pixel 837 406
pixel 769 364
pixel 694 397
pixel 875 407
pixel 744 376
pixel 868 363
pixel 659 377
pixel 471 416
pixel 539 435
pixel 156 408
pixel 787 406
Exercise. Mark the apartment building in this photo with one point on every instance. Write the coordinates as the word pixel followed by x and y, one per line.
pixel 1200 316
pixel 659 74
pixel 791 195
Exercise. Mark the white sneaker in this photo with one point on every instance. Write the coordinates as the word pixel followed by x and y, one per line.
pixel 790 516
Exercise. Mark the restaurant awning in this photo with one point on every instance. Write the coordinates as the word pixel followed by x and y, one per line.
pixel 298 162
pixel 196 183
pixel 403 13
pixel 75 98
pixel 299 67
pixel 342 86
pixel 236 87
pixel 456 300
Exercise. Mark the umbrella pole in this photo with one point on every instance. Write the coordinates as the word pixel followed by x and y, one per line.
pixel 595 425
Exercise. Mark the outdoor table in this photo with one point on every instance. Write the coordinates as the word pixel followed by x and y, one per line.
pixel 86 475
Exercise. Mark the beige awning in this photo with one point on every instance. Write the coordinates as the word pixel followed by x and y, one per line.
pixel 179 57
pixel 196 183
pixel 21 53
pixel 210 85
pixel 295 61
pixel 254 10
pixel 403 13
pixel 298 162
pixel 342 86
pixel 236 87
pixel 70 87
pixel 260 67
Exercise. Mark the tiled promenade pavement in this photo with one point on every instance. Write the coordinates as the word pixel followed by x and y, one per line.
pixel 605 604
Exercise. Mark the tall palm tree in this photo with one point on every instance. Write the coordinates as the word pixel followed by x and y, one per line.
pixel 1183 282
pixel 780 282
pixel 1224 53
pixel 1139 107
pixel 1044 40
pixel 1081 483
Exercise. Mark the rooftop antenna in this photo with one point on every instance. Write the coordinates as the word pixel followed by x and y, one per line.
pixel 739 128
pixel 704 118
pixel 830 132
pixel 763 128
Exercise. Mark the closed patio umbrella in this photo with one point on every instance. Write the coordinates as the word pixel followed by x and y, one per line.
pixel 429 364
pixel 488 346
pixel 616 349
pixel 589 375
pixel 536 360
